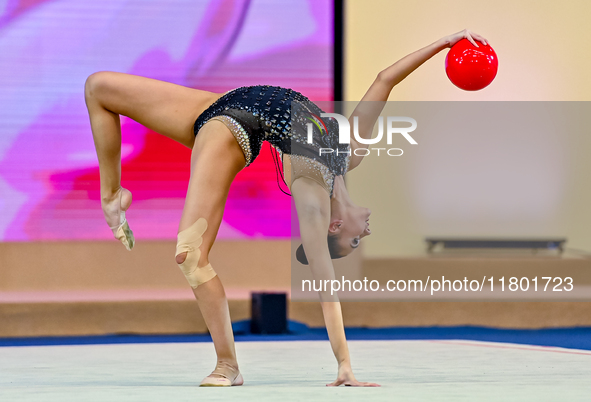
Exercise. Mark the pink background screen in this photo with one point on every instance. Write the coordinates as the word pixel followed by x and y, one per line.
pixel 49 181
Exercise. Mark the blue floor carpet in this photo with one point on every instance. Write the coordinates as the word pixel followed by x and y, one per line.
pixel 574 338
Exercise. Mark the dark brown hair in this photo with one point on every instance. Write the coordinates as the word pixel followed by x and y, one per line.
pixel 333 248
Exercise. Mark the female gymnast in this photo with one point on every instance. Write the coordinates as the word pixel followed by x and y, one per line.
pixel 225 133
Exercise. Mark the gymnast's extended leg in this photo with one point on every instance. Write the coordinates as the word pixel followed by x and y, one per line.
pixel 215 161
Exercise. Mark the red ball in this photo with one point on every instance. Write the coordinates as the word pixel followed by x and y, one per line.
pixel 471 68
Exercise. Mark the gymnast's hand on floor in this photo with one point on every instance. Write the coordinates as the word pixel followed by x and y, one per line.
pixel 346 377
pixel 451 40
pixel 114 207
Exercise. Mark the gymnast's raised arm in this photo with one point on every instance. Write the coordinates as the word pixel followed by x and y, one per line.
pixel 313 208
pixel 374 100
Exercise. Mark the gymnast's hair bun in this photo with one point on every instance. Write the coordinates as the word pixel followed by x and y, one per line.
pixel 301 255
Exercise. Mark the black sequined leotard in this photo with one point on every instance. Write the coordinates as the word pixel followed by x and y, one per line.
pixel 264 113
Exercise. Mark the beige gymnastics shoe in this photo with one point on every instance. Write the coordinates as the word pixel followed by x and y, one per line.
pixel 123 233
pixel 229 377
pixel 114 209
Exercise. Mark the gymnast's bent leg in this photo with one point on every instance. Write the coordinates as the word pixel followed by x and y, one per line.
pixel 215 161
pixel 166 108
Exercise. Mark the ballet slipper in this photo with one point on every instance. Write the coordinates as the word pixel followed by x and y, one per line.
pixel 228 378
pixel 210 381
pixel 123 233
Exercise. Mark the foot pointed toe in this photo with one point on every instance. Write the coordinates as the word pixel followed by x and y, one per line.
pixel 124 234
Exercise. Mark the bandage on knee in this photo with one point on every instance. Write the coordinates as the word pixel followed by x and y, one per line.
pixel 189 241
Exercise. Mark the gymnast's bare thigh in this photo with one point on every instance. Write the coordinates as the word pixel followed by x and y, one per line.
pixel 166 108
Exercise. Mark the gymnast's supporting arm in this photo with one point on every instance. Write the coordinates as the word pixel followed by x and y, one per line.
pixel 313 208
pixel 374 100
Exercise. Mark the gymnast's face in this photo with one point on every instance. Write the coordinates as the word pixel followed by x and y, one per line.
pixel 350 228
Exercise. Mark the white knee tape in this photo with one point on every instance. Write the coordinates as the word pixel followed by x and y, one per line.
pixel 189 241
